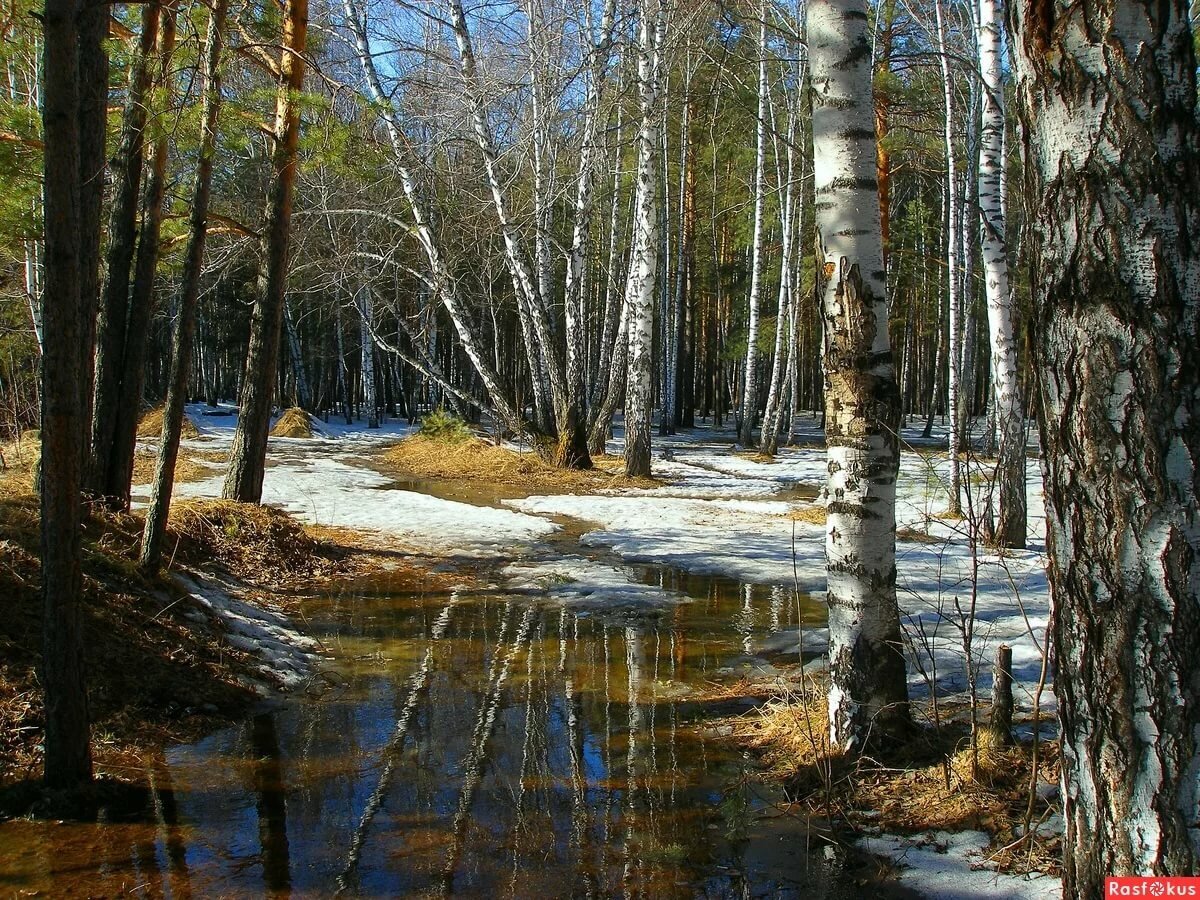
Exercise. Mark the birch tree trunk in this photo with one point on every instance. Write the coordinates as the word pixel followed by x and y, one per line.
pixel 366 315
pixel 1006 392
pixel 868 692
pixel 643 280
pixel 247 463
pixel 68 760
pixel 189 292
pixel 750 384
pixel 303 397
pixel 1106 93
pixel 784 349
pixel 954 297
pixel 570 449
pixel 444 282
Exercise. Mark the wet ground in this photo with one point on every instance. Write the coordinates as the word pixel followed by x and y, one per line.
pixel 475 743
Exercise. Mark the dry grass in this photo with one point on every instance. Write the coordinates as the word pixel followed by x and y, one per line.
pixel 153 674
pixel 187 467
pixel 254 542
pixel 17 462
pixel 294 423
pixel 151 425
pixel 755 456
pixel 476 460
pixel 934 783
pixel 812 514
pixel 918 537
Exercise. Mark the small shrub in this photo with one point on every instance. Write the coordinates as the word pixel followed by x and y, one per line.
pixel 440 425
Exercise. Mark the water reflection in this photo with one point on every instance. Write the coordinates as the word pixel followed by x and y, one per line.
pixel 477 744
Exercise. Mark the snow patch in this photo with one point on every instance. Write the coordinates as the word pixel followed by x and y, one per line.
pixel 953 866
pixel 289 657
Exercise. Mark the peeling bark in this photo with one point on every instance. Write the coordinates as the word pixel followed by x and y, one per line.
pixel 868 692
pixel 1107 94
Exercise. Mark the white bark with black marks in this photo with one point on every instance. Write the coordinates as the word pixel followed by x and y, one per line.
pixel 1106 93
pixel 1006 390
pixel 642 285
pixel 868 691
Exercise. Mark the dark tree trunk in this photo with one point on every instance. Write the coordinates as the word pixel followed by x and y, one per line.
pixel 185 323
pixel 68 755
pixel 92 106
pixel 122 239
pixel 141 303
pixel 1106 92
pixel 249 454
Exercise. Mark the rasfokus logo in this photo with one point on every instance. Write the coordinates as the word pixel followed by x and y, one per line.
pixel 1152 886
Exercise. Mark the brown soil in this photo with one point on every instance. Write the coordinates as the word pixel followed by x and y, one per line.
pixel 154 675
pixel 476 460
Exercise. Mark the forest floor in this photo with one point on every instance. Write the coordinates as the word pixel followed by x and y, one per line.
pixel 172 656
pixel 713 509
pixel 368 502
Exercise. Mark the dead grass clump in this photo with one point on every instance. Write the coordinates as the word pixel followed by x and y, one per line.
pixel 186 467
pixel 294 423
pixel 812 514
pixel 917 537
pixel 250 539
pixel 474 460
pixel 933 783
pixel 791 732
pixel 18 459
pixel 152 422
pixel 755 456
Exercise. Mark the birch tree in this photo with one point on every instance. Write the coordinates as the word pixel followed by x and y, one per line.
pixel 1106 93
pixel 868 691
pixel 953 287
pixel 1006 392
pixel 750 385
pixel 642 285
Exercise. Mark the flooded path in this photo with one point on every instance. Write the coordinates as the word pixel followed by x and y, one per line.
pixel 475 742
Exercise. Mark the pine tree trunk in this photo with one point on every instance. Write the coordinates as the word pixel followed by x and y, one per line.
pixel 247 463
pixel 189 292
pixel 141 301
pixel 1006 391
pixel 1106 93
pixel 68 756
pixel 92 99
pixel 122 242
pixel 868 691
